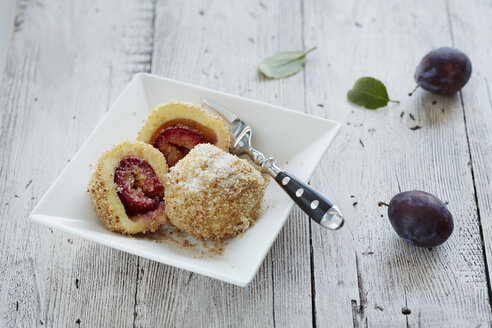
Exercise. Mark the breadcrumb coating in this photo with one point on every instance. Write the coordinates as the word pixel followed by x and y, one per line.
pixel 213 194
pixel 179 110
pixel 104 196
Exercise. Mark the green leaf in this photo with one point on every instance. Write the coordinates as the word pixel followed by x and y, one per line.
pixel 369 93
pixel 283 64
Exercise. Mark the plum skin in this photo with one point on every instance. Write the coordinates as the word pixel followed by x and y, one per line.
pixel 443 71
pixel 420 218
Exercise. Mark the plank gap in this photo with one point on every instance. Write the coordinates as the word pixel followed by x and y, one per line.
pixel 311 253
pixel 152 37
pixel 475 193
pixel 358 311
pixel 448 14
pixel 313 282
pixel 475 197
pixel 136 293
pixel 273 293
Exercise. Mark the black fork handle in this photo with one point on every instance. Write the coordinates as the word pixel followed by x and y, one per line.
pixel 312 202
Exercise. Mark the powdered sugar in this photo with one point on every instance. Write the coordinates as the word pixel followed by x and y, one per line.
pixel 213 194
pixel 211 167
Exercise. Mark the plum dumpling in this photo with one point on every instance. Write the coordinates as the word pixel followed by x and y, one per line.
pixel 176 127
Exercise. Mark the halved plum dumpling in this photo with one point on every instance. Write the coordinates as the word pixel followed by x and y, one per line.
pixel 127 188
pixel 176 127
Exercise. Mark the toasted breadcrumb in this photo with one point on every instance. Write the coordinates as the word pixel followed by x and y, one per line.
pixel 213 194
pixel 184 110
pixel 104 196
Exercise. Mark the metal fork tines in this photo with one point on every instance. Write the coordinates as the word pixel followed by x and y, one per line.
pixel 313 203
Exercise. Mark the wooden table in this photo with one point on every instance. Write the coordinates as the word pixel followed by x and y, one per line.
pixel 69 60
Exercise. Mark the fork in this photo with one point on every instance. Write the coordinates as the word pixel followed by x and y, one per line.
pixel 313 203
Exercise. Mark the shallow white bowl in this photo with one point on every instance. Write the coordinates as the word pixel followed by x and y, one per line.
pixel 296 140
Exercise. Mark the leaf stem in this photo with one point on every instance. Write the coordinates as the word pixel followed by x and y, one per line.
pixel 411 93
pixel 382 203
pixel 308 51
pixel 394 101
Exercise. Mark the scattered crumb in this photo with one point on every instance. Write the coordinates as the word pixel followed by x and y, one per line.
pixel 134 113
pixel 187 243
pixel 320 105
pixel 401 115
pixel 411 116
pixel 181 242
pixel 416 127
pixel 28 184
pixel 434 102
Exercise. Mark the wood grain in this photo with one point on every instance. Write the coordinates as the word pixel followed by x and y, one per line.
pixel 66 63
pixel 476 102
pixel 376 156
pixel 222 49
pixel 69 60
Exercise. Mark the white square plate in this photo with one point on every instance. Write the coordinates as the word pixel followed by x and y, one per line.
pixel 296 140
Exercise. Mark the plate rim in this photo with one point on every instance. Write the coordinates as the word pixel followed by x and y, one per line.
pixel 41 219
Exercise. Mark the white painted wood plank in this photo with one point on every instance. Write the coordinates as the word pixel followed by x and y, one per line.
pixel 7 8
pixel 475 40
pixel 375 155
pixel 54 279
pixel 218 45
pixel 67 61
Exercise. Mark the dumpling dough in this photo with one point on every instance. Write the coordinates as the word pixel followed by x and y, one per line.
pixel 105 193
pixel 213 194
pixel 176 127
